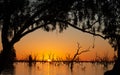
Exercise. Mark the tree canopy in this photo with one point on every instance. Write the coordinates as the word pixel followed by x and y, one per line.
pixel 96 17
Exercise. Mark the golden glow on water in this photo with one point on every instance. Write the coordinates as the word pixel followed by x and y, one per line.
pixel 57 69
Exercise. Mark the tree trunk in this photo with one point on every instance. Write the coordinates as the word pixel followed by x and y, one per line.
pixel 116 67
pixel 7 55
pixel 118 42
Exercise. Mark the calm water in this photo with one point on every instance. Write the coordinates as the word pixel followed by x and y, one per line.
pixel 56 69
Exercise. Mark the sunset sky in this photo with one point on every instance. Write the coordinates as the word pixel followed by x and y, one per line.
pixel 40 42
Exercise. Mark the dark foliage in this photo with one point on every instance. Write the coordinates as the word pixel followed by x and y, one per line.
pixel 96 17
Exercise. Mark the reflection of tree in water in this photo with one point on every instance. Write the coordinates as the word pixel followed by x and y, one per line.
pixel 30 68
pixel 9 70
pixel 31 64
pixel 97 17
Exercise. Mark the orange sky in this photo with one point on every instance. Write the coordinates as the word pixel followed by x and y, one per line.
pixel 41 42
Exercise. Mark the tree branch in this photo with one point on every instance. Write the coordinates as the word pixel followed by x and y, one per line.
pixel 29 31
pixel 95 34
pixel 30 21
pixel 78 53
pixel 83 51
pixel 74 26
pixel 19 34
pixel 17 38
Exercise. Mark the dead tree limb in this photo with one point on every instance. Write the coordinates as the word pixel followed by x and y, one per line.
pixel 79 53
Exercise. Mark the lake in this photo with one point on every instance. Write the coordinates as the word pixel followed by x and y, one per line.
pixel 55 68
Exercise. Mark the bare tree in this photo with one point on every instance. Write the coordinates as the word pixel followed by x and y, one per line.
pixel 77 53
pixel 97 17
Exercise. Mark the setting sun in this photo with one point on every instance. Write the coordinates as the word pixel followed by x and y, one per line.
pixel 49 60
pixel 60 37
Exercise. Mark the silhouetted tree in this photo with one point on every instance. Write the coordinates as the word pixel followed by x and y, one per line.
pixel 99 18
pixel 77 53
pixel 30 58
pixel 18 18
pixel 7 9
pixel 96 17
